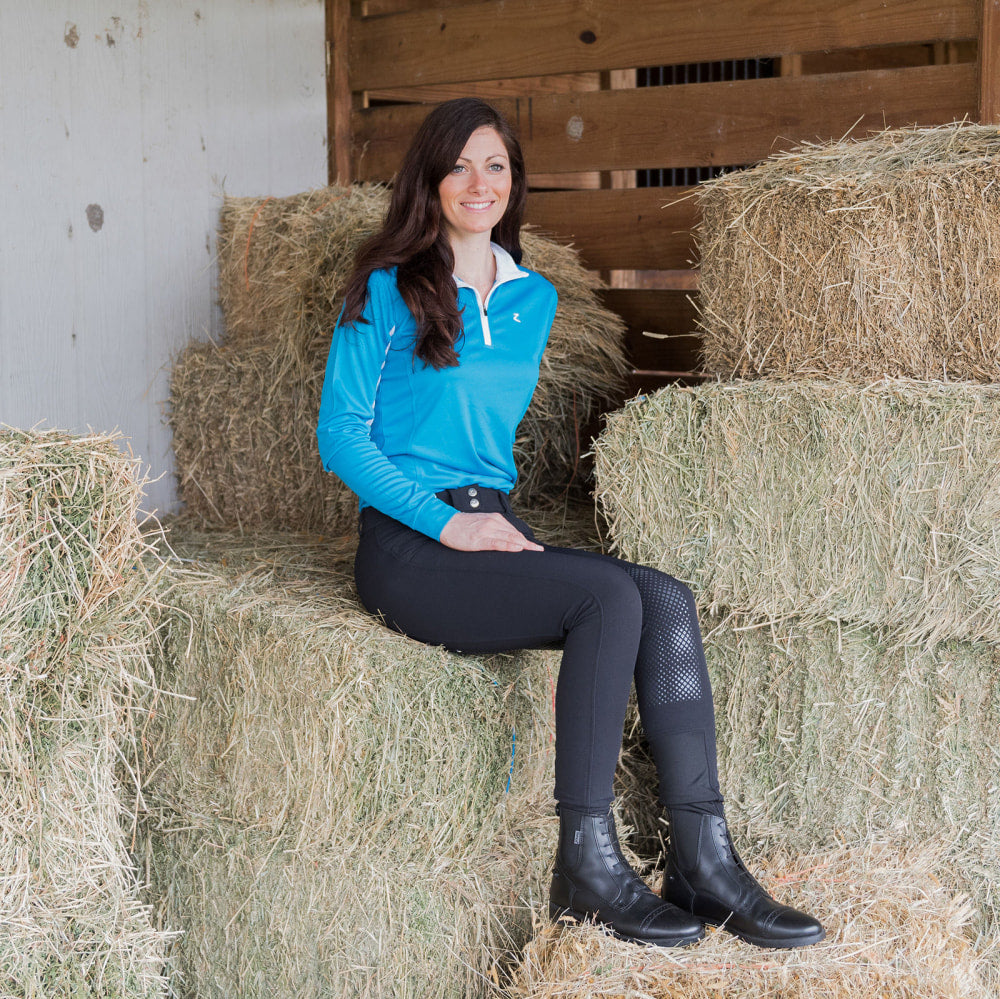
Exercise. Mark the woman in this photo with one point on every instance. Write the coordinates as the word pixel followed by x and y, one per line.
pixel 433 364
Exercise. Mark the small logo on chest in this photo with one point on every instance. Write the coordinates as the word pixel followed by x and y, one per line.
pixel 517 317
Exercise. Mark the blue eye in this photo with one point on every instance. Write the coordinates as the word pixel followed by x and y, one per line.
pixel 497 167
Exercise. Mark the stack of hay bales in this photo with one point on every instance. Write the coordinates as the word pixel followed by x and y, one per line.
pixel 840 527
pixel 336 810
pixel 244 412
pixel 75 622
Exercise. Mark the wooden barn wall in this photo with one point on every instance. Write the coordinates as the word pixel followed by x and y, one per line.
pixel 120 127
pixel 566 73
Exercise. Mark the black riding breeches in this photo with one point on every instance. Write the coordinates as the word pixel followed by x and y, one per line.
pixel 616 621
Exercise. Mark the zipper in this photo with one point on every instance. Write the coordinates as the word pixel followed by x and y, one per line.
pixel 484 306
pixel 483 314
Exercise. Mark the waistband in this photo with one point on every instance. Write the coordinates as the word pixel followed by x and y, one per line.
pixel 476 499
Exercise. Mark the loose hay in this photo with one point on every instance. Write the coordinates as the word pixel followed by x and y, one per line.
pixel 244 413
pixel 858 259
pixel 819 500
pixel 330 808
pixel 893 931
pixel 74 626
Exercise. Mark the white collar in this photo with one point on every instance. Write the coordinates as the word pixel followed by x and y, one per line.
pixel 507 270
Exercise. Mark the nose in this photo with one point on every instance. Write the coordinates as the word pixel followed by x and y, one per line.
pixel 478 180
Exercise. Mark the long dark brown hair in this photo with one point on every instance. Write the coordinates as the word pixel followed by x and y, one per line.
pixel 413 238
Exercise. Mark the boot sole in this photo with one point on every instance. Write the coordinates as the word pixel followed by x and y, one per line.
pixel 556 914
pixel 768 942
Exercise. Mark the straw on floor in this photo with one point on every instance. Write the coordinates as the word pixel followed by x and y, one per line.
pixel 244 412
pixel 75 681
pixel 860 259
pixel 335 803
pixel 894 931
pixel 873 504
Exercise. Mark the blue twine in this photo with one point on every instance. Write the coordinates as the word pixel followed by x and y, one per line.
pixel 513 743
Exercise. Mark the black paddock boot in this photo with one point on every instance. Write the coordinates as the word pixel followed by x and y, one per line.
pixel 704 875
pixel 591 878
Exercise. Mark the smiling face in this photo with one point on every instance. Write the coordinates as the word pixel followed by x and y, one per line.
pixel 475 193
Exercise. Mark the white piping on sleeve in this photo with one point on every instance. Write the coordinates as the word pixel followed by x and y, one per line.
pixel 385 357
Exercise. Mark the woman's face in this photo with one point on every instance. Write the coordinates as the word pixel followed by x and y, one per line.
pixel 474 195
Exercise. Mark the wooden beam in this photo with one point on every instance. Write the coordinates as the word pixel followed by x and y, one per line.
pixel 490 89
pixel 989 63
pixel 486 41
pixel 338 91
pixel 697 124
pixel 791 64
pixel 621 229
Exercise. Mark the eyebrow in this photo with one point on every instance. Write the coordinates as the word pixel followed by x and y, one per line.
pixel 492 156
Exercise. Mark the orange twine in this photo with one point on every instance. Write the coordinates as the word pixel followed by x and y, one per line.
pixel 802 873
pixel 552 687
pixel 246 255
pixel 336 197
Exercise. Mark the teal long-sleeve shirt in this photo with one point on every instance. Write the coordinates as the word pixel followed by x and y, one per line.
pixel 396 431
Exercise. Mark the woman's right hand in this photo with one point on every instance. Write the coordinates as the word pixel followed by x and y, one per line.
pixel 484 532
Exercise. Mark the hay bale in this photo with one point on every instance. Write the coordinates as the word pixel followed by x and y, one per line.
pixel 283 262
pixel 330 800
pixel 827 733
pixel 893 931
pixel 74 674
pixel 819 500
pixel 244 413
pixel 859 259
pixel 244 435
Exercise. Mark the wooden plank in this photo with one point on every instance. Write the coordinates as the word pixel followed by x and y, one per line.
pixel 582 180
pixel 693 124
pixel 989 63
pixel 489 89
pixel 372 8
pixel 487 40
pixel 621 229
pixel 338 91
pixel 618 79
pixel 661 328
pixel 791 64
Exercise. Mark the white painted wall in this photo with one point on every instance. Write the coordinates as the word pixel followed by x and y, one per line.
pixel 149 109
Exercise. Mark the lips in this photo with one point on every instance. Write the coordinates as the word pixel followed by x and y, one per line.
pixel 478 206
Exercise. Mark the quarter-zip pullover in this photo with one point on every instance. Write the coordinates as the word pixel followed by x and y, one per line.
pixel 397 431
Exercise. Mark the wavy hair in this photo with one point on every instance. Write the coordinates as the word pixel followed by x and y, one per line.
pixel 413 238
